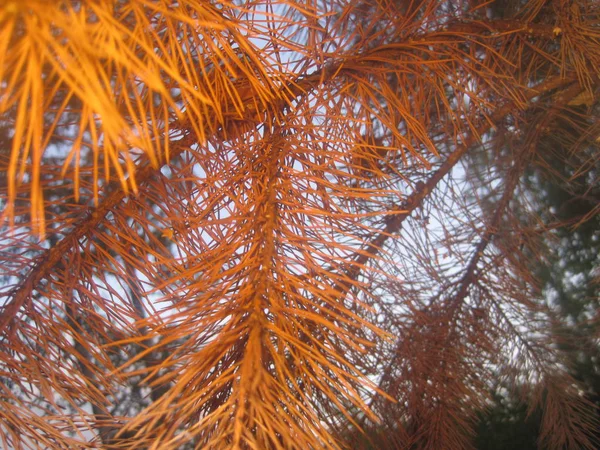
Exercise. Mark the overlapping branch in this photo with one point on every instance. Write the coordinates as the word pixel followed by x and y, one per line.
pixel 270 166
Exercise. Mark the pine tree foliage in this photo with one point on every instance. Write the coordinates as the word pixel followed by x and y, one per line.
pixel 266 224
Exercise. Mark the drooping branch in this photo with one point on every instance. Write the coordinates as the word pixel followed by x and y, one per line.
pixel 399 214
pixel 448 333
pixel 49 258
pixel 469 272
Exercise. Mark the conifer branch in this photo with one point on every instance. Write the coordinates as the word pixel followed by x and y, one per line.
pixel 415 199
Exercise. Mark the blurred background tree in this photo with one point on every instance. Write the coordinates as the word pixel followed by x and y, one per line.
pixel 566 197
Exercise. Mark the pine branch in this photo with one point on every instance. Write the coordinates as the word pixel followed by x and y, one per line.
pixel 266 250
pixel 415 199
